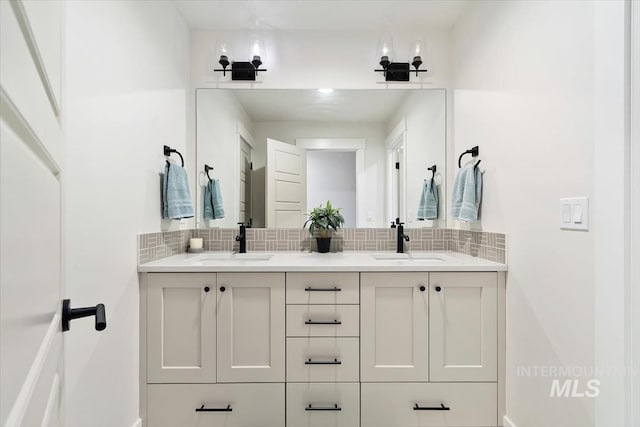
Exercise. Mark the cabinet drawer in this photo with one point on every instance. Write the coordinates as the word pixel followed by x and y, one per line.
pixel 323 288
pixel 174 405
pixel 323 398
pixel 388 404
pixel 323 359
pixel 323 320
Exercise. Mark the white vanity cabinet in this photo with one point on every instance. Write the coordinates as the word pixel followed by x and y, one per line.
pixel 463 325
pixel 210 343
pixel 325 349
pixel 181 328
pixel 395 327
pixel 251 325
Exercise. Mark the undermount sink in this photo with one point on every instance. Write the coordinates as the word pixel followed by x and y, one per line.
pixel 226 256
pixel 408 257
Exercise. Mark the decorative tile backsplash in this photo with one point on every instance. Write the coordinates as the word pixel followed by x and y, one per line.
pixel 155 246
pixel 490 246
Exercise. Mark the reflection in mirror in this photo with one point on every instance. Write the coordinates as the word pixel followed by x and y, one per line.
pixel 279 153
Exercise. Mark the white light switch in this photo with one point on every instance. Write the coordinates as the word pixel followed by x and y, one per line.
pixel 574 213
pixel 577 214
pixel 566 213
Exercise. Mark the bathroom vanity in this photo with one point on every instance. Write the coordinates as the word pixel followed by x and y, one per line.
pixel 327 340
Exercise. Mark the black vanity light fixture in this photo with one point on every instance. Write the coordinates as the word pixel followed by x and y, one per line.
pixel 399 71
pixel 241 70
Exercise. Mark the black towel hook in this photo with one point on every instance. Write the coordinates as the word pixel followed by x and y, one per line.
pixel 208 168
pixel 474 153
pixel 433 171
pixel 168 150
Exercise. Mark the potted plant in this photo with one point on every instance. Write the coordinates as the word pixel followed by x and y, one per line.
pixel 321 220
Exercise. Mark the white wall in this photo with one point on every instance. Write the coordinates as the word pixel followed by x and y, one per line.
pixel 526 92
pixel 424 113
pixel 126 83
pixel 331 175
pixel 373 133
pixel 218 113
pixel 314 59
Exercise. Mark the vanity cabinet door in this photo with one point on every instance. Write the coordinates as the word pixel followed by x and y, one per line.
pixel 251 327
pixel 181 328
pixel 463 327
pixel 394 327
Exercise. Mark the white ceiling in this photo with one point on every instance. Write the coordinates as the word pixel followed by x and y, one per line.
pixel 311 105
pixel 335 15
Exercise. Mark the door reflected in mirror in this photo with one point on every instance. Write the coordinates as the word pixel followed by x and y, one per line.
pixel 279 153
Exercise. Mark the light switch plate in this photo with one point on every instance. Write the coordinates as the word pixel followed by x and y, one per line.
pixel 574 213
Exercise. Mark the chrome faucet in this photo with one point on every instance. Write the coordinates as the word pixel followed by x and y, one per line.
pixel 399 226
pixel 242 237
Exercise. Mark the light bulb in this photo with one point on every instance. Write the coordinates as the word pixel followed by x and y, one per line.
pixel 223 53
pixel 384 53
pixel 256 51
pixel 416 52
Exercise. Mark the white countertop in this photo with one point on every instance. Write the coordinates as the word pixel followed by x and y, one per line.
pixel 305 261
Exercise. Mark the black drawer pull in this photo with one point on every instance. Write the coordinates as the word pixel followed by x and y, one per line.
pixel 431 408
pixel 203 409
pixel 312 322
pixel 323 362
pixel 334 289
pixel 323 408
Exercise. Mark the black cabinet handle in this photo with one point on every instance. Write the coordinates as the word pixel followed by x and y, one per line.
pixel 422 288
pixel 431 408
pixel 323 408
pixel 334 289
pixel 323 362
pixel 222 289
pixel 438 288
pixel 68 314
pixel 206 289
pixel 203 409
pixel 315 322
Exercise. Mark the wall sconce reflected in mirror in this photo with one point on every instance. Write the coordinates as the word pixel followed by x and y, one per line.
pixel 399 71
pixel 241 70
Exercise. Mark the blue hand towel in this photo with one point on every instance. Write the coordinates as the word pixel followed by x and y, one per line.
pixel 176 198
pixel 471 195
pixel 213 207
pixel 428 206
pixel 457 193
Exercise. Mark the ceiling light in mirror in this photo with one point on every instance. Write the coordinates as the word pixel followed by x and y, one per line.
pixel 325 90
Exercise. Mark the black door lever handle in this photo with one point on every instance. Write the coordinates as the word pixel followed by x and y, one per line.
pixel 68 314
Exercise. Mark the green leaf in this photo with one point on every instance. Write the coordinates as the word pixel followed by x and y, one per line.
pixel 323 219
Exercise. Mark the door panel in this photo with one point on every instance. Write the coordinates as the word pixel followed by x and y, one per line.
pixel 30 218
pixel 251 327
pixel 463 327
pixel 394 327
pixel 286 182
pixel 181 328
pixel 22 85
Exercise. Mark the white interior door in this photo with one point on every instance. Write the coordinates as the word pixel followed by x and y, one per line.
pixel 31 149
pixel 246 175
pixel 286 182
